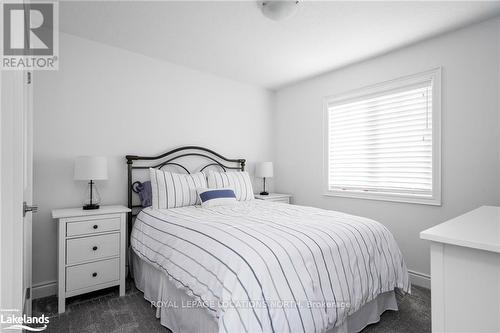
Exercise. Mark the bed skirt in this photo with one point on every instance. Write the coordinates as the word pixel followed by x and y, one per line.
pixel 175 308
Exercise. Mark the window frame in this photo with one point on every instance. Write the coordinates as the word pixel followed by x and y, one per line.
pixel 434 76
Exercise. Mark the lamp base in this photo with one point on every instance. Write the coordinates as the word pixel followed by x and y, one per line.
pixel 264 193
pixel 90 206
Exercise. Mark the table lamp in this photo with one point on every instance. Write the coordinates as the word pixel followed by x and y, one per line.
pixel 91 168
pixel 264 170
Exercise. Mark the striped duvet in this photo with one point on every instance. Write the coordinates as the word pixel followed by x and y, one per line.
pixel 260 266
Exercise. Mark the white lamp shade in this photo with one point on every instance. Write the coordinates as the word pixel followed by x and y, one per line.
pixel 264 170
pixel 91 168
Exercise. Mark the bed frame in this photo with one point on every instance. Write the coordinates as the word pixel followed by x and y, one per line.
pixel 173 157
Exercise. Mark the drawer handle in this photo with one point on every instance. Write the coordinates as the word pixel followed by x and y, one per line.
pixel 94 274
pixel 95 226
pixel 94 248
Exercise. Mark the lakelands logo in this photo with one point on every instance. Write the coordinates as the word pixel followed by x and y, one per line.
pixel 13 321
pixel 30 36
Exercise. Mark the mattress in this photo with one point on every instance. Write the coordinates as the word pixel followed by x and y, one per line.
pixel 261 266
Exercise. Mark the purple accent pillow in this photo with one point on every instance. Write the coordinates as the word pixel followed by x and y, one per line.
pixel 145 193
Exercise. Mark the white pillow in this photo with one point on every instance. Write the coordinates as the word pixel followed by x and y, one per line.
pixel 239 181
pixel 170 190
pixel 212 197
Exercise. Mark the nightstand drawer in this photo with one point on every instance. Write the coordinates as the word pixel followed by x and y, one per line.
pixel 92 226
pixel 87 275
pixel 92 248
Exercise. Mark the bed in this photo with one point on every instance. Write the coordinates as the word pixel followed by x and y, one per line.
pixel 259 266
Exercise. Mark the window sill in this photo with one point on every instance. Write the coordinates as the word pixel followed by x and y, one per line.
pixel 385 197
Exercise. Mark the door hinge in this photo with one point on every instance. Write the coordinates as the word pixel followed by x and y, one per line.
pixel 28 293
pixel 29 78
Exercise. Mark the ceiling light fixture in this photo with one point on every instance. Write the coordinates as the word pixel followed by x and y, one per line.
pixel 278 10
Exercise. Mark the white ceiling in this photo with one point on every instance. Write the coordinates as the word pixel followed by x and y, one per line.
pixel 234 40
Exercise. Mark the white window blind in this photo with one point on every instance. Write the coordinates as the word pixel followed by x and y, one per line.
pixel 382 143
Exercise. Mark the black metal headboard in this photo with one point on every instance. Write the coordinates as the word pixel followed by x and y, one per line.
pixel 170 158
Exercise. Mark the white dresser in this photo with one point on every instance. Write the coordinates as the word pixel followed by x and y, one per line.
pixel 276 197
pixel 91 252
pixel 465 272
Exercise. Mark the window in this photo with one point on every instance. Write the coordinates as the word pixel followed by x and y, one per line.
pixel 383 142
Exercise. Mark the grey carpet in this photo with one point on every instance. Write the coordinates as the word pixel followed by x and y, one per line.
pixel 104 311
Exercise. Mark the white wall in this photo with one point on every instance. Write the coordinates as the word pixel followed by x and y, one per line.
pixel 112 102
pixel 107 101
pixel 470 133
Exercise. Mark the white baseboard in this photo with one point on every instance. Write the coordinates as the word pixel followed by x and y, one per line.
pixel 44 289
pixel 420 279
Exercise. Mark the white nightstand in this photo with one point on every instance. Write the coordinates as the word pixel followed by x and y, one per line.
pixel 276 197
pixel 91 252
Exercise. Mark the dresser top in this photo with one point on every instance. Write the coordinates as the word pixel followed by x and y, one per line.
pixel 477 229
pixel 74 212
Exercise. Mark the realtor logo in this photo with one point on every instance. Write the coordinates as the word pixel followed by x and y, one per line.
pixel 30 36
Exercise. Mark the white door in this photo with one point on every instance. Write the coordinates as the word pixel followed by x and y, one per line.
pixel 15 189
pixel 28 207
